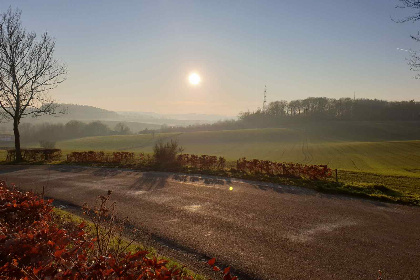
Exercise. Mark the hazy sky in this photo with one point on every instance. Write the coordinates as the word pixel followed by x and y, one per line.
pixel 136 55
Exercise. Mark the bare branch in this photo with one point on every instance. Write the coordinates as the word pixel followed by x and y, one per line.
pixel 28 71
pixel 414 61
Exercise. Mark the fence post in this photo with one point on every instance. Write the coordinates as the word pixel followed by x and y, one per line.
pixel 336 175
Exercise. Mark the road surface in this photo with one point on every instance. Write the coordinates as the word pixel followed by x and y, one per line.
pixel 264 231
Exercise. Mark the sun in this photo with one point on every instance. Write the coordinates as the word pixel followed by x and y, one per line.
pixel 194 79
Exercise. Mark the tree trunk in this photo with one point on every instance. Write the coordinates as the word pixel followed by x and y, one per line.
pixel 17 140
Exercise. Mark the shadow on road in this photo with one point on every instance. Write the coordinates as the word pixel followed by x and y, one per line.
pixel 107 172
pixel 150 182
pixel 67 168
pixel 97 171
pixel 333 196
pixel 282 189
pixel 200 179
pixel 11 168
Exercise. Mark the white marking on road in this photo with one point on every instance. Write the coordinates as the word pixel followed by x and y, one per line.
pixel 192 208
pixel 310 234
pixel 137 192
pixel 172 221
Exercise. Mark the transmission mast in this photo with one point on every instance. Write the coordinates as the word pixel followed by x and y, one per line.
pixel 265 97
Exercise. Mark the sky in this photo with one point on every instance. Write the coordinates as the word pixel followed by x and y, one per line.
pixel 137 55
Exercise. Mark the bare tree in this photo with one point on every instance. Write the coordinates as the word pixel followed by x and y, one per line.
pixel 27 72
pixel 414 61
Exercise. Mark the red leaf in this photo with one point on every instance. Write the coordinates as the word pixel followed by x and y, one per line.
pixel 36 270
pixel 162 262
pixel 58 253
pixel 215 268
pixel 227 277
pixel 34 250
pixel 212 262
pixel 226 270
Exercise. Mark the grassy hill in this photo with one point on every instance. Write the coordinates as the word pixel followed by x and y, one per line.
pixel 386 148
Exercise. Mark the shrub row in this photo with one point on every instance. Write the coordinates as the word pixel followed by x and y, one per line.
pixel 203 162
pixel 256 166
pixel 209 163
pixel 100 157
pixel 35 154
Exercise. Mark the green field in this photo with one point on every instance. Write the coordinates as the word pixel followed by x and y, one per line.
pixel 363 147
pixel 379 160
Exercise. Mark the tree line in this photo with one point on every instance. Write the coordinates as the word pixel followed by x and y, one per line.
pixel 70 130
pixel 323 108
pixel 316 109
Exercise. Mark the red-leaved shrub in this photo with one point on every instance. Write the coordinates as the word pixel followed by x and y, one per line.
pixel 32 246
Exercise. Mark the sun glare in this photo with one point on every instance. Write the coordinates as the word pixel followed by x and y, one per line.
pixel 194 78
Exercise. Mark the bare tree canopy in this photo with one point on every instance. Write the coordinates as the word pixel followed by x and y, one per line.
pixel 414 61
pixel 413 4
pixel 28 71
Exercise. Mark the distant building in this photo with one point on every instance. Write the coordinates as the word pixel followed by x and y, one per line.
pixel 6 138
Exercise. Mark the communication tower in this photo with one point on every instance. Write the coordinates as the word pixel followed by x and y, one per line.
pixel 265 97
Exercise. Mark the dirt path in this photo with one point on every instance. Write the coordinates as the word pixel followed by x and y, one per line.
pixel 273 231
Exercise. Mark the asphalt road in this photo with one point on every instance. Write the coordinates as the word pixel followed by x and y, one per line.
pixel 265 231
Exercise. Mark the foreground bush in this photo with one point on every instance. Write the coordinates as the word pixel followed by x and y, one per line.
pixel 32 246
pixel 35 245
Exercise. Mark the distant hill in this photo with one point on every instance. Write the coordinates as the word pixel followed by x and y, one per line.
pixel 66 112
pixel 85 112
pixel 135 120
pixel 196 118
pixel 90 113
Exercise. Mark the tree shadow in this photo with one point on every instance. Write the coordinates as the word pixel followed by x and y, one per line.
pixel 68 168
pixel 97 171
pixel 107 172
pixel 150 182
pixel 282 188
pixel 201 179
pixel 11 168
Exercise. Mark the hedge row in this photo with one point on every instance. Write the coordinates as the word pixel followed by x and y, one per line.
pixel 35 154
pixel 211 163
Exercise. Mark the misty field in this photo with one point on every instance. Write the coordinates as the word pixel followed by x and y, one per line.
pixel 374 159
pixel 362 148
